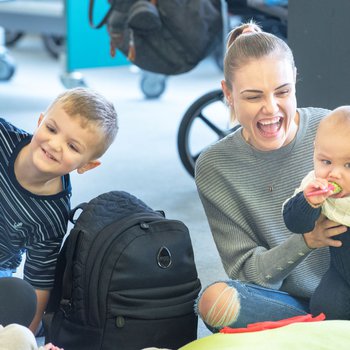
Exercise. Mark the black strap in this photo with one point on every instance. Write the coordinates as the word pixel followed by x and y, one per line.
pixel 73 211
pixel 67 279
pixel 104 19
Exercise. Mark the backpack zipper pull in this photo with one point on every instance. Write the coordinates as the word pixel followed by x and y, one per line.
pixel 132 50
pixel 112 50
pixel 115 40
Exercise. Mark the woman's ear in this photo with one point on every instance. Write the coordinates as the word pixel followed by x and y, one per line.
pixel 88 166
pixel 227 93
pixel 40 119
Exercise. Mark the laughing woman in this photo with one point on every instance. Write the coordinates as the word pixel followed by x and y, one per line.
pixel 243 181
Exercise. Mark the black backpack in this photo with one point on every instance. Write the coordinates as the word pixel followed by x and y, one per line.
pixel 125 280
pixel 163 36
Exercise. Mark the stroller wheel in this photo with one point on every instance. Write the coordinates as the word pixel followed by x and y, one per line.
pixel 72 80
pixel 206 121
pixel 152 84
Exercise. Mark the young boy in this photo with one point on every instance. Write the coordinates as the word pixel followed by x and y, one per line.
pixel 331 165
pixel 72 134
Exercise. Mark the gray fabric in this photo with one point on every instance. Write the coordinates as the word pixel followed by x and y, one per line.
pixel 16 337
pixel 234 182
pixel 18 301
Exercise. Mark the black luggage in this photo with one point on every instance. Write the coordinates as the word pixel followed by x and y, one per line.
pixel 125 280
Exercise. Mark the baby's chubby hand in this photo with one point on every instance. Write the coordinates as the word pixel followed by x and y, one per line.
pixel 317 191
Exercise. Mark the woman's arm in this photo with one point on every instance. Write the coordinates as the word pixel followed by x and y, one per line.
pixel 246 257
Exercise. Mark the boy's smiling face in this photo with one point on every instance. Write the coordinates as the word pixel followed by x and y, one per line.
pixel 62 143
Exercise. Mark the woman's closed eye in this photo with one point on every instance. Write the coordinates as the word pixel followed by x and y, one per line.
pixel 284 92
pixel 253 98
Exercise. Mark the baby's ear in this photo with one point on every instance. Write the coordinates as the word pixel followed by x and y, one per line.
pixel 88 166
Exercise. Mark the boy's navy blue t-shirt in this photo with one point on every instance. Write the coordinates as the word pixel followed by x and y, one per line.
pixel 29 223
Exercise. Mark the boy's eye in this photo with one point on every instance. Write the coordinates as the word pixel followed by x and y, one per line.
pixel 50 128
pixel 73 147
pixel 347 165
pixel 326 161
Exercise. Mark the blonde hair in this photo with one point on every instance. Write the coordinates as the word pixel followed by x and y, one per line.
pixel 93 109
pixel 248 42
pixel 339 118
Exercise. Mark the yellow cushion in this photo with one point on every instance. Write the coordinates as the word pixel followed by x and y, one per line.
pixel 332 335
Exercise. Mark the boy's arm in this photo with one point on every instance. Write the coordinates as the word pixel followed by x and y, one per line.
pixel 42 300
pixel 299 216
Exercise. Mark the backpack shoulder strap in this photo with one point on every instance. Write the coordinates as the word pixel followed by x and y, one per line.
pixel 104 19
pixel 63 279
pixel 67 275
pixel 73 211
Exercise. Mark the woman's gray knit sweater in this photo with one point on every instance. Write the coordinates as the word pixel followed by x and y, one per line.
pixel 242 191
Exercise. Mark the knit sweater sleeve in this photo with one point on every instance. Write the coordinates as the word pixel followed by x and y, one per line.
pixel 299 216
pixel 247 258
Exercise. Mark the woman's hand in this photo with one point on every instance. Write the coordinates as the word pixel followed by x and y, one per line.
pixel 323 233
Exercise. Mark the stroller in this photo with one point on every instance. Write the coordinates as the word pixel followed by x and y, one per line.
pixel 272 18
pixel 207 119
pixel 167 45
pixel 166 38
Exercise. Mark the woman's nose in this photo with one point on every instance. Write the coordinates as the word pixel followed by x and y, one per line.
pixel 270 105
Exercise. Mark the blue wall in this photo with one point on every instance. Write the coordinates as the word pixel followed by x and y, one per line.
pixel 87 47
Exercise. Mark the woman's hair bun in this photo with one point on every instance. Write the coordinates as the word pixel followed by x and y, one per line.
pixel 246 28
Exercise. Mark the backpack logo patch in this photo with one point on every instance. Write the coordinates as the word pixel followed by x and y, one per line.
pixel 164 258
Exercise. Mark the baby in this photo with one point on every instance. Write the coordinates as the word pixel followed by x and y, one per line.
pixel 326 190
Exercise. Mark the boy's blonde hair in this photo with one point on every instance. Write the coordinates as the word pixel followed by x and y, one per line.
pixel 94 110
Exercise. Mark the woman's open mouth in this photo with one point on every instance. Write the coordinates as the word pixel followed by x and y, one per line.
pixel 270 127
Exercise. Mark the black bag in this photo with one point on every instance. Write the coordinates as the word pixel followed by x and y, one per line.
pixel 125 280
pixel 163 36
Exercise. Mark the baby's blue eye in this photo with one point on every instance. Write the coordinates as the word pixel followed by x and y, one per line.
pixel 326 162
pixel 347 165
